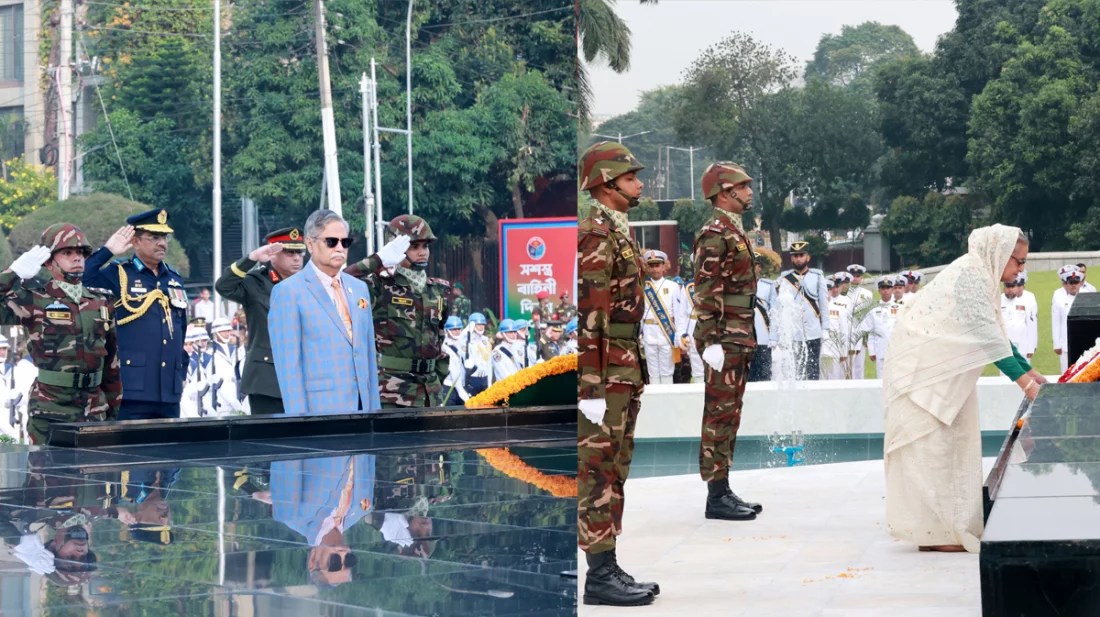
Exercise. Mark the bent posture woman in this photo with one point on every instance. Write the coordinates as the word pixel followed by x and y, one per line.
pixel 939 346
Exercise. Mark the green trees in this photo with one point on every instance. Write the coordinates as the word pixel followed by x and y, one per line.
pixel 493 100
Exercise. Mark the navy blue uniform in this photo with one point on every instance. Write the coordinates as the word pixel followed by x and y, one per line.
pixel 154 364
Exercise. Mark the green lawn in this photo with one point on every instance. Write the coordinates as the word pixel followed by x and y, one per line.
pixel 1042 284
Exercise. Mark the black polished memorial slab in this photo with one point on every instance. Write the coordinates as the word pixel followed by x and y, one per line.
pixel 1040 551
pixel 1082 324
pixel 240 428
pixel 465 522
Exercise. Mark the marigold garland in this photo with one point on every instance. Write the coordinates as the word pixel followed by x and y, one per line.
pixel 1087 368
pixel 505 388
pixel 512 466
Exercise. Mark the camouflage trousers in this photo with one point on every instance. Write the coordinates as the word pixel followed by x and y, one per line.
pixel 39 420
pixel 603 464
pixel 722 396
pixel 397 390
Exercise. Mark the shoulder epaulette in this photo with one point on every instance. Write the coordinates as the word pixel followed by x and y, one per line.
pixel 817 271
pixel 440 282
pixel 119 261
pixel 101 291
pixel 172 270
pixel 596 227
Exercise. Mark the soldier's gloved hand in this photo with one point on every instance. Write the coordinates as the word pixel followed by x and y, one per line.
pixel 394 251
pixel 28 264
pixel 593 409
pixel 714 357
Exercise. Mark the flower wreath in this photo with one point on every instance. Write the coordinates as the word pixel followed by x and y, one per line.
pixel 502 390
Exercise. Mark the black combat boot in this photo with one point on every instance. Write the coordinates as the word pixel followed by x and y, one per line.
pixel 653 588
pixel 604 583
pixel 721 505
pixel 755 507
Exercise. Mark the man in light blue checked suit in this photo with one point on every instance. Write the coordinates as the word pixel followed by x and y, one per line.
pixel 321 499
pixel 322 334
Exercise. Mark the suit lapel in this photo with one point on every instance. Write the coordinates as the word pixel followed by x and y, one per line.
pixel 317 288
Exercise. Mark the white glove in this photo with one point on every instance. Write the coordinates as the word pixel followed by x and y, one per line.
pixel 28 264
pixel 593 409
pixel 713 356
pixel 395 528
pixel 394 251
pixel 31 552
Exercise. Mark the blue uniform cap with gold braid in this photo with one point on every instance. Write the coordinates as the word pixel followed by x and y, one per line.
pixel 155 221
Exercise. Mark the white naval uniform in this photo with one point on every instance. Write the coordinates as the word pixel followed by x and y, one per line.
pixel 836 342
pixel 882 320
pixel 1059 311
pixel 658 349
pixel 1021 323
pixel 765 305
pixel 686 322
pixel 456 373
pixel 223 366
pixel 1087 287
pixel 861 298
pixel 504 360
pixel 479 350
pixel 7 389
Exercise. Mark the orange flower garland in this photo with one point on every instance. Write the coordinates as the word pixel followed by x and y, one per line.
pixel 503 389
pixel 1087 369
pixel 512 466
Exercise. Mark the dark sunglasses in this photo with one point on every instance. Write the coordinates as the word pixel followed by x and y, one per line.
pixel 332 242
pixel 335 563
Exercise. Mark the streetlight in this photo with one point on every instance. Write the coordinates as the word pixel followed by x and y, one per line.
pixel 620 137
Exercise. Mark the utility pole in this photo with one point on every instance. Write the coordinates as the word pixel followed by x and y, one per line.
pixel 378 220
pixel 328 122
pixel 64 102
pixel 408 99
pixel 217 152
pixel 691 169
pixel 620 137
pixel 366 88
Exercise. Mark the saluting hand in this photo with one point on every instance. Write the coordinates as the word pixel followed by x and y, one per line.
pixel 266 252
pixel 119 243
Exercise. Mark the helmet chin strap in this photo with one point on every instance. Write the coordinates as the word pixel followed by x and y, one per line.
pixel 631 201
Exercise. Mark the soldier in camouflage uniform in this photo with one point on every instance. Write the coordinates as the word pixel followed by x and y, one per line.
pixel 566 310
pixel 610 305
pixel 725 295
pixel 410 310
pixel 72 332
pixel 460 304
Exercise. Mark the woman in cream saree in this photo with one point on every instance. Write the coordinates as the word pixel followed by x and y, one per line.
pixel 940 345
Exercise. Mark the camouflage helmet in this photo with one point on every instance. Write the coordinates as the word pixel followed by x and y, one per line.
pixel 720 175
pixel 413 226
pixel 605 161
pixel 61 236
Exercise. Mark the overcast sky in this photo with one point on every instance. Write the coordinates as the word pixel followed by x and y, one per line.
pixel 669 36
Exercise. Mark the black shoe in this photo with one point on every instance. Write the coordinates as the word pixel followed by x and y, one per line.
pixel 605 585
pixel 652 588
pixel 721 505
pixel 755 507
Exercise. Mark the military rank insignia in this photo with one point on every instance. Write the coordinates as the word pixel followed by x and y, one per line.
pixel 58 311
pixel 628 253
pixel 362 303
pixel 741 246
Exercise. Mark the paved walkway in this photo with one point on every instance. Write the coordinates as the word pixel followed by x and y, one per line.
pixel 819 549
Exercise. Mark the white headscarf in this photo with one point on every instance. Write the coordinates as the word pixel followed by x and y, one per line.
pixel 953 325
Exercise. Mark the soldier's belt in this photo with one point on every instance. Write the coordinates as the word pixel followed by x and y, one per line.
pixel 407 365
pixel 70 380
pixel 739 300
pixel 624 330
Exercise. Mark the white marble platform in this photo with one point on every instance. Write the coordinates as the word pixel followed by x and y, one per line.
pixel 819 549
pixel 813 407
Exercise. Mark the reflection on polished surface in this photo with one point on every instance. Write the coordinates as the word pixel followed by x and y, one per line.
pixel 436 523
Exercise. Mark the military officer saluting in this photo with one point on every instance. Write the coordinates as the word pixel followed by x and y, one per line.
pixel 410 310
pixel 812 296
pixel 610 306
pixel 551 343
pixel 151 315
pixel 249 282
pixel 72 335
pixel 725 297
